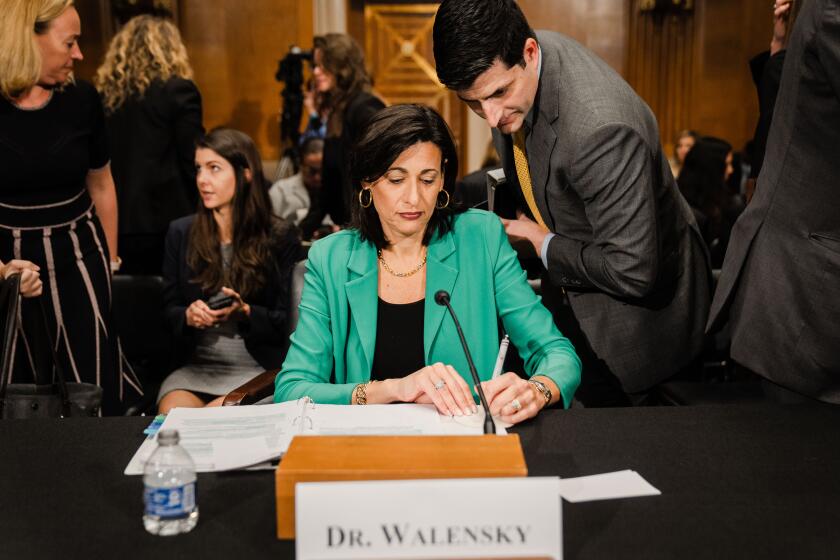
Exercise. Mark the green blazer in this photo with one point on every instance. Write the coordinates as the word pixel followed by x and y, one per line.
pixel 332 348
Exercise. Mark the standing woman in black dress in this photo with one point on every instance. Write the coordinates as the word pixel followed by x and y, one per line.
pixel 58 208
pixel 153 117
pixel 343 86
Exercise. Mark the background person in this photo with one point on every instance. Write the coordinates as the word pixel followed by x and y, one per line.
pixel 153 116
pixel 234 247
pixel 594 196
pixel 343 89
pixel 58 208
pixel 682 145
pixel 292 198
pixel 766 69
pixel 369 328
pixel 704 182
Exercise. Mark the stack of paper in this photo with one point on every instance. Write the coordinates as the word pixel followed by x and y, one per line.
pixel 235 437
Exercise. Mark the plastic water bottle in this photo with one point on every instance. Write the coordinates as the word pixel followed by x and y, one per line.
pixel 169 477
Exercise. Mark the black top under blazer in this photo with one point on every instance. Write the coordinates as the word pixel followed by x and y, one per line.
pixel 152 144
pixel 264 332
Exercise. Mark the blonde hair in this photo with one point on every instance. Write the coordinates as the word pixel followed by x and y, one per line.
pixel 146 49
pixel 20 57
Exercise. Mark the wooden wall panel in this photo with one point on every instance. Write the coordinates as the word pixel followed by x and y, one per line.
pixel 660 67
pixel 398 52
pixel 693 69
pixel 728 35
pixel 234 48
pixel 601 25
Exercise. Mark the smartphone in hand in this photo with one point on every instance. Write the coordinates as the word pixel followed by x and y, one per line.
pixel 220 301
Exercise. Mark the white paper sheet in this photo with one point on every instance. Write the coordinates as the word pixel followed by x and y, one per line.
pixel 226 438
pixel 608 486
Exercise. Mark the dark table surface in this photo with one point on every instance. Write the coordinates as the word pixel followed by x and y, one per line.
pixel 755 481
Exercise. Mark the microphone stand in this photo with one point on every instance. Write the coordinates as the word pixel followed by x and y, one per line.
pixel 442 298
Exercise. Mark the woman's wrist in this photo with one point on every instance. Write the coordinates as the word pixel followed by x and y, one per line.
pixel 374 392
pixel 116 263
pixel 545 389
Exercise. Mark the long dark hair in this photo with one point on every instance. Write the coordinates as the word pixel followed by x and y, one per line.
pixel 388 134
pixel 702 179
pixel 251 222
pixel 342 57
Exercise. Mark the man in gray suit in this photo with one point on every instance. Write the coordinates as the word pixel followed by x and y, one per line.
pixel 780 284
pixel 593 192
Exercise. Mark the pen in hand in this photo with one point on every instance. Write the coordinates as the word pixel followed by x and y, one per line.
pixel 500 359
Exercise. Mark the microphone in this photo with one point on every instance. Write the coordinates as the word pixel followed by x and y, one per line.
pixel 442 298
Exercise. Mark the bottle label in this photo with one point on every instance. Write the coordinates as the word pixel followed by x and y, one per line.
pixel 176 501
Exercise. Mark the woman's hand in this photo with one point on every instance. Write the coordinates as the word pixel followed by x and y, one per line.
pixel 512 398
pixel 199 316
pixel 781 18
pixel 440 385
pixel 30 277
pixel 238 306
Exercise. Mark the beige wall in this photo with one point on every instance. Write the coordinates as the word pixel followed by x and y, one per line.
pixel 234 47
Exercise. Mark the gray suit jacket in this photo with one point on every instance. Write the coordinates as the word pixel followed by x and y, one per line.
pixel 780 285
pixel 628 250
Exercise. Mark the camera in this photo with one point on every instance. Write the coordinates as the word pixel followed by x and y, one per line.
pixel 290 72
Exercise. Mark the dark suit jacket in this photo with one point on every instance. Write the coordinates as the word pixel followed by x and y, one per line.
pixel 780 285
pixel 628 251
pixel 767 73
pixel 265 330
pixel 153 156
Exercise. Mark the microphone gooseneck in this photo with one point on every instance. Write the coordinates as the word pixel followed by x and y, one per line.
pixel 442 298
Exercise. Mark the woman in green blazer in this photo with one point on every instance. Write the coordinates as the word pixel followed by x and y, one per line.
pixel 369 328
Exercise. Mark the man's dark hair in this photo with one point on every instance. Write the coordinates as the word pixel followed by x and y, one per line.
pixel 470 35
pixel 313 145
pixel 388 134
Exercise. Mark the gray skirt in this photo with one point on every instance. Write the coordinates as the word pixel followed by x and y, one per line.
pixel 219 364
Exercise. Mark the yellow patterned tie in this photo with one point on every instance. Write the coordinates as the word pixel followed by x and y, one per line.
pixel 524 174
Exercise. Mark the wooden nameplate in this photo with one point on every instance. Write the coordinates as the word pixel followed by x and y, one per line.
pixel 342 458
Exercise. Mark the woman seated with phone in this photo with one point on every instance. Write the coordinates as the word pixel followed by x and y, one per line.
pixel 227 270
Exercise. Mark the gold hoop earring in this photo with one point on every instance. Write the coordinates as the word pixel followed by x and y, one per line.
pixel 440 206
pixel 370 197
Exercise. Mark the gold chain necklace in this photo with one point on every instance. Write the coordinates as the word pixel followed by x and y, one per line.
pixel 401 274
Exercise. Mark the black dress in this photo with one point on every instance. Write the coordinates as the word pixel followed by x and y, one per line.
pixel 47 217
pixel 152 146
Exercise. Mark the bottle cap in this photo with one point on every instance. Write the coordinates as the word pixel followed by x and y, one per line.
pixel 168 437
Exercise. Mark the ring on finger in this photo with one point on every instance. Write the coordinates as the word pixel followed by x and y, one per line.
pixel 440 384
pixel 516 405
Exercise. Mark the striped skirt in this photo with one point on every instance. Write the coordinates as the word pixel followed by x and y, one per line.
pixel 66 240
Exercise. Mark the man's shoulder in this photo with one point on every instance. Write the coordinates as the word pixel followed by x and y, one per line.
pixel 291 183
pixel 587 93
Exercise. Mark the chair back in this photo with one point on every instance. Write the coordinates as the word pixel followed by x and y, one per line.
pixel 145 338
